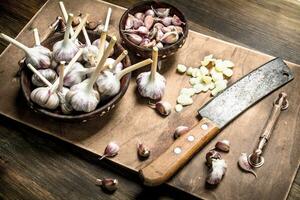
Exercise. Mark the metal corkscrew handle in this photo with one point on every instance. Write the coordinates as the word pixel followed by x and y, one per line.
pixel 281 103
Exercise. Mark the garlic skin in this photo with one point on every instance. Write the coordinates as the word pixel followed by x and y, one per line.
pixel 223 145
pixel 143 151
pixel 108 184
pixel 108 84
pixel 212 155
pixel 44 98
pixel 49 74
pixel 244 164
pixel 180 130
pixel 162 107
pixel 82 99
pixel 217 171
pixel 90 50
pixel 149 88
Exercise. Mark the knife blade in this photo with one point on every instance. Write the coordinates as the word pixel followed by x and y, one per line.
pixel 215 115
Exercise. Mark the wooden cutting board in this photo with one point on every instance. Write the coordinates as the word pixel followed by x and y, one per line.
pixel 131 120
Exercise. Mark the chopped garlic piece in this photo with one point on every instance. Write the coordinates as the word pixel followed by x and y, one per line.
pixel 214 92
pixel 178 108
pixel 194 81
pixel 211 86
pixel 198 88
pixel 181 68
pixel 228 64
pixel 204 70
pixel 228 72
pixel 187 91
pixel 190 71
pixel 206 79
pixel 196 72
pixel 216 75
pixel 221 85
pixel 184 100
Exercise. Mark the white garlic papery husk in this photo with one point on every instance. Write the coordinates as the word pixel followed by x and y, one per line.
pixel 49 74
pixel 217 171
pixel 45 98
pixel 109 62
pixel 38 56
pixel 65 49
pixel 66 108
pixel 96 43
pixel 81 98
pixel 76 74
pixel 90 50
pixel 108 84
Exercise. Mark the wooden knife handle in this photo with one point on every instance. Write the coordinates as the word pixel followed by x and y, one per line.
pixel 167 164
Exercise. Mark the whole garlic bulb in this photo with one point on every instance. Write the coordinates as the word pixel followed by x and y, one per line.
pixel 152 84
pixel 89 49
pixel 76 74
pixel 97 43
pixel 49 74
pixel 44 97
pixel 114 69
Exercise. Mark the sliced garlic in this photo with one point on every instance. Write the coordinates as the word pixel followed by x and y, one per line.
pixel 216 75
pixel 198 88
pixel 190 71
pixel 181 68
pixel 204 70
pixel 187 91
pixel 228 64
pixel 196 72
pixel 178 108
pixel 184 100
pixel 207 79
pixel 194 81
pixel 228 72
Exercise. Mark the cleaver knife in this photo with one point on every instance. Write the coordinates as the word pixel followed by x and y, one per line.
pixel 215 115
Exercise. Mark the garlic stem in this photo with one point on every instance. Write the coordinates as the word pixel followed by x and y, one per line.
pixel 65 14
pixel 100 64
pixel 36 37
pixel 131 68
pixel 154 63
pixel 86 37
pixel 61 75
pixel 119 58
pixel 107 20
pixel 101 46
pixel 43 79
pixel 69 24
pixel 68 67
pixel 16 43
pixel 79 27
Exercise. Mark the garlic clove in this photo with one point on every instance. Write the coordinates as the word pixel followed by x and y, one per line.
pixel 184 100
pixel 223 145
pixel 180 130
pixel 178 108
pixel 129 21
pixel 181 68
pixel 108 184
pixel 143 151
pixel 152 33
pixel 136 39
pixel 162 107
pixel 212 154
pixel 176 21
pixel 161 12
pixel 170 37
pixel 111 150
pixel 217 171
pixel 149 21
pixel 244 164
pixel 167 21
pixel 159 35
pixel 159 45
pixel 139 15
pixel 187 91
pixel 150 12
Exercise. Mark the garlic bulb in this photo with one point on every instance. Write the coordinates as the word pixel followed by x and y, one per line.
pixel 49 74
pixel 109 84
pixel 76 74
pixel 116 66
pixel 38 56
pixel 151 84
pixel 83 97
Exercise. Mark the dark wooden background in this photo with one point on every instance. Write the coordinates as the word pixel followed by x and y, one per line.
pixel 36 166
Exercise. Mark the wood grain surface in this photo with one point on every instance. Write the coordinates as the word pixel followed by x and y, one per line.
pixel 183 173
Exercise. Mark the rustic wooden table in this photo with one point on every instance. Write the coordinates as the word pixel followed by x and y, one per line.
pixel 36 166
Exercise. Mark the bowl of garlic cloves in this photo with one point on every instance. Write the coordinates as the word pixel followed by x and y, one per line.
pixel 151 24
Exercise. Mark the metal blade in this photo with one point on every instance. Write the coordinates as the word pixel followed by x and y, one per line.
pixel 247 91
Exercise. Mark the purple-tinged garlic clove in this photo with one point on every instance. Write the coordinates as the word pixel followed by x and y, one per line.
pixel 142 30
pixel 129 21
pixel 49 74
pixel 212 155
pixel 180 130
pixel 139 15
pixel 143 151
pixel 167 21
pixel 216 172
pixel 158 25
pixel 170 37
pixel 161 12
pixel 111 150
pixel 150 44
pixel 149 12
pixel 162 107
pixel 159 45
pixel 176 21
pixel 108 184
pixel 244 164
pixel 148 21
pixel 159 35
pixel 144 42
pixel 223 145
pixel 136 39
pixel 137 23
pixel 152 33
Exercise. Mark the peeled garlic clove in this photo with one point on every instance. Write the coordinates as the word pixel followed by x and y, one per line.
pixel 169 38
pixel 176 21
pixel 108 184
pixel 204 71
pixel 190 71
pixel 136 39
pixel 148 21
pixel 143 151
pixel 194 81
pixel 150 12
pixel 228 64
pixel 212 154
pixel 49 74
pixel 180 130
pixel 139 15
pixel 178 108
pixel 162 107
pixel 244 164
pixel 223 145
pixel 217 171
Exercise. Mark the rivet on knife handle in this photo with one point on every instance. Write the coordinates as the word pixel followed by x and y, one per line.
pixel 281 103
pixel 161 169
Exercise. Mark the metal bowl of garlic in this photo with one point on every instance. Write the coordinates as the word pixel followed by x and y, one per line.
pixel 135 29
pixel 104 107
